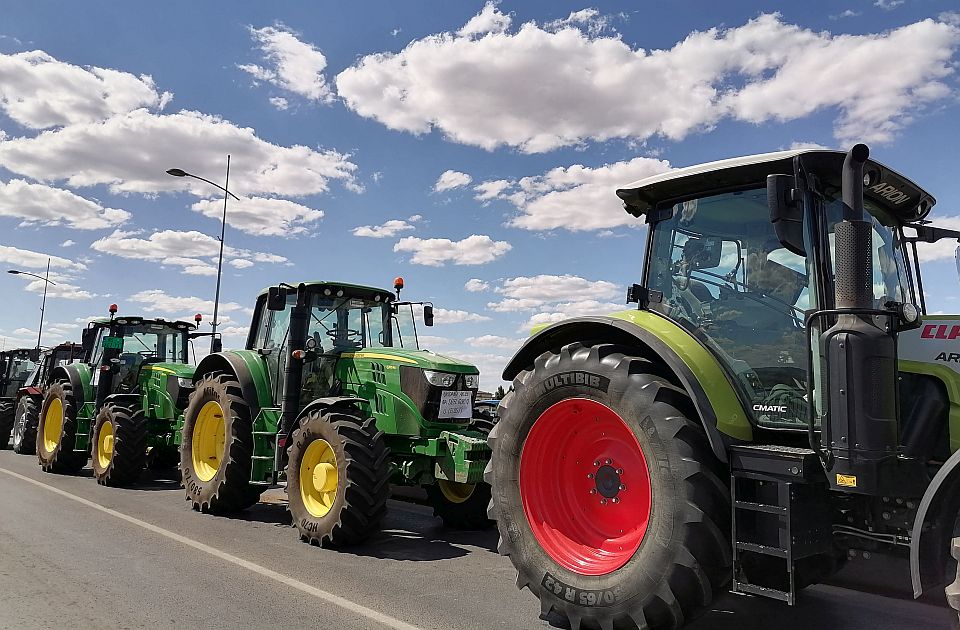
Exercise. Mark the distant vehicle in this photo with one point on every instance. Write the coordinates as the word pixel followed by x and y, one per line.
pixel 15 368
pixel 30 396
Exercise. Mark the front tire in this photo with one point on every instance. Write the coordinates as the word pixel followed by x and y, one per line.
pixel 463 505
pixel 25 426
pixel 608 499
pixel 217 447
pixel 6 422
pixel 57 431
pixel 337 478
pixel 119 445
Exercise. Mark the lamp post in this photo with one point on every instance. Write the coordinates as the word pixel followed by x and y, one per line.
pixel 176 172
pixel 43 305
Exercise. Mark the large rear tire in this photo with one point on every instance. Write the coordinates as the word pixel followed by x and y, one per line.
pixel 119 445
pixel 463 505
pixel 609 501
pixel 217 446
pixel 6 422
pixel 57 431
pixel 337 478
pixel 25 425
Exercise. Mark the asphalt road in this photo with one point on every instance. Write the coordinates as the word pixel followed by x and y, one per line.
pixel 77 555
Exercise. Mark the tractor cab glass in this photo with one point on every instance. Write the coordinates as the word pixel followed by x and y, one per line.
pixel 17 370
pixel 142 343
pixel 405 326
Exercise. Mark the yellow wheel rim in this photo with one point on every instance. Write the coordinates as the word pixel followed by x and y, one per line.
pixel 319 478
pixel 209 435
pixel 456 492
pixel 52 425
pixel 105 445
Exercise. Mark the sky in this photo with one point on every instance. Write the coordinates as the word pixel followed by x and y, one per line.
pixel 471 147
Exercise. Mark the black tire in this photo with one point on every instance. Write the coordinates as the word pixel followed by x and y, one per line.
pixel 684 558
pixel 25 425
pixel 363 478
pixel 6 422
pixel 62 457
pixel 462 511
pixel 124 465
pixel 229 489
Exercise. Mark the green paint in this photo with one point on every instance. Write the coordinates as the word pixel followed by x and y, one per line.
pixel 951 381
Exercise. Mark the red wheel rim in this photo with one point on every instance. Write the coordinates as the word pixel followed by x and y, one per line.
pixel 585 486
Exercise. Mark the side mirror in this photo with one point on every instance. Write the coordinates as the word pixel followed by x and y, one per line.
pixel 217 344
pixel 276 298
pixel 786 212
pixel 428 315
pixel 86 340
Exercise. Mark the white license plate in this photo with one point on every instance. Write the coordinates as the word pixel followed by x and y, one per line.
pixel 456 404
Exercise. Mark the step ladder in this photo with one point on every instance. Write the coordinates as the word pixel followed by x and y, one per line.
pixel 781 515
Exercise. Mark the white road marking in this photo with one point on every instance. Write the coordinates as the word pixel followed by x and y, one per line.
pixel 330 598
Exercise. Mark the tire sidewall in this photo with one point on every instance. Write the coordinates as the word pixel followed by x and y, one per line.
pixel 21 423
pixel 315 427
pixel 66 442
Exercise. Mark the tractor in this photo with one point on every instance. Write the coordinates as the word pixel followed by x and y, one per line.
pixel 778 404
pixel 30 395
pixel 15 368
pixel 333 395
pixel 121 405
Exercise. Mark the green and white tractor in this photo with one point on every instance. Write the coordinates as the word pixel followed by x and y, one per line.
pixel 30 395
pixel 333 394
pixel 15 368
pixel 121 405
pixel 778 404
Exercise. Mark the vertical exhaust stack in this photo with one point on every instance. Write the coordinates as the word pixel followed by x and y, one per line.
pixel 861 419
pixel 293 366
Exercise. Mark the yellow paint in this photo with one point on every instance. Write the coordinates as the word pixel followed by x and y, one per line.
pixel 377 355
pixel 847 481
pixel 52 426
pixel 455 492
pixel 209 436
pixel 105 445
pixel 319 478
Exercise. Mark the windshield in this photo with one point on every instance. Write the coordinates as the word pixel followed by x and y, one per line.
pixel 348 323
pixel 405 326
pixel 156 341
pixel 20 370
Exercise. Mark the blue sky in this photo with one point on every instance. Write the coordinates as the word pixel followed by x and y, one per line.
pixel 471 147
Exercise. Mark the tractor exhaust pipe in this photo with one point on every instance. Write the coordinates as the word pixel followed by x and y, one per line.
pixel 293 367
pixel 860 350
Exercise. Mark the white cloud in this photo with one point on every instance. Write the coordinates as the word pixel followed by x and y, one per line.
pixel 387 230
pixel 575 197
pixel 68 243
pixel 536 292
pixel 194 252
pixel 944 249
pixel 474 250
pixel 950 17
pixel 449 180
pixel 493 341
pixel 130 153
pixel 291 64
pixel 241 263
pixel 261 216
pixel 566 310
pixel 538 88
pixel 280 103
pixel 25 258
pixel 62 289
pixel 888 5
pixel 37 204
pixel 798 146
pixel 39 91
pixel 177 307
pixel 845 14
pixel 448 316
pixel 475 285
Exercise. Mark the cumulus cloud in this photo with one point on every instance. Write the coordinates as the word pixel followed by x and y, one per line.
pixel 541 87
pixel 68 243
pixel 493 341
pixel 40 92
pixel 449 316
pixel 290 64
pixel 280 103
pixel 476 249
pixel 941 250
pixel 475 285
pixel 28 259
pixel 389 229
pixel 262 216
pixel 534 292
pixel 566 310
pixel 37 204
pixel 63 274
pixel 450 179
pixel 574 197
pixel 181 307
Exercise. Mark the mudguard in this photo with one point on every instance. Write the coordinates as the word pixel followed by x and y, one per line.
pixel 248 368
pixel 82 391
pixel 328 402
pixel 714 397
pixel 934 526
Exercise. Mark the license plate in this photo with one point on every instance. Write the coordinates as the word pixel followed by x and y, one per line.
pixel 456 404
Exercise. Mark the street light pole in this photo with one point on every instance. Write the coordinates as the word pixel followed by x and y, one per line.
pixel 176 172
pixel 43 305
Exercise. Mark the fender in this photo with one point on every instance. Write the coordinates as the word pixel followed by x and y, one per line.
pixel 329 402
pixel 934 526
pixel 721 411
pixel 247 367
pixel 128 400
pixel 81 391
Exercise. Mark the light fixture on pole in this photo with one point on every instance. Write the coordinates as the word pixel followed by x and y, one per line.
pixel 177 172
pixel 43 305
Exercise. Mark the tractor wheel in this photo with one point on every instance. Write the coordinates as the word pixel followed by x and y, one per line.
pixel 119 445
pixel 6 422
pixel 217 447
pixel 25 426
pixel 337 478
pixel 463 505
pixel 609 501
pixel 57 431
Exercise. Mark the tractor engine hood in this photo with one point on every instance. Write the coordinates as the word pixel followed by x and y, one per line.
pixel 180 370
pixel 423 359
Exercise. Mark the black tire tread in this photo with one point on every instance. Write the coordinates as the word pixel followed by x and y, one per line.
pixel 6 421
pixel 472 513
pixel 28 408
pixel 65 460
pixel 129 445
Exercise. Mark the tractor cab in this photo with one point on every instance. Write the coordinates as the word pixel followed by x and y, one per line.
pixel 50 359
pixel 16 366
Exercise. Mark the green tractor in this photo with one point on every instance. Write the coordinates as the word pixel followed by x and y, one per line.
pixel 30 395
pixel 333 394
pixel 778 404
pixel 122 404
pixel 15 368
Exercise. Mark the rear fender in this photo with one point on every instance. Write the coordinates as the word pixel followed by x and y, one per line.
pixel 658 339
pixel 346 403
pixel 134 401
pixel 248 368
pixel 78 375
pixel 934 527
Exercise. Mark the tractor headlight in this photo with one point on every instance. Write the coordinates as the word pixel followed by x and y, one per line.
pixel 440 379
pixel 473 380
pixel 909 312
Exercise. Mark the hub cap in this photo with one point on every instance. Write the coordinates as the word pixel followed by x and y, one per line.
pixel 319 478
pixel 105 445
pixel 455 492
pixel 52 425
pixel 209 435
pixel 585 486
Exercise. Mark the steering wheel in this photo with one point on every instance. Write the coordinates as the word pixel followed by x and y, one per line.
pixel 347 332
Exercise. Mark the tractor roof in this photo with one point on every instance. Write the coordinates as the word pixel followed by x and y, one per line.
pixel 892 191
pixel 137 320
pixel 354 289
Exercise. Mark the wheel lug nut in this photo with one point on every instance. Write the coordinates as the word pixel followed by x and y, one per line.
pixel 596 463
pixel 608 461
pixel 589 475
pixel 615 500
pixel 603 501
pixel 593 490
pixel 619 471
pixel 623 487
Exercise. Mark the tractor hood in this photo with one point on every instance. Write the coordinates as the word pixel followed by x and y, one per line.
pixel 414 358
pixel 181 370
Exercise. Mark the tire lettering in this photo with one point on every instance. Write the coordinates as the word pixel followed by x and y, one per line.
pixel 579 596
pixel 594 381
